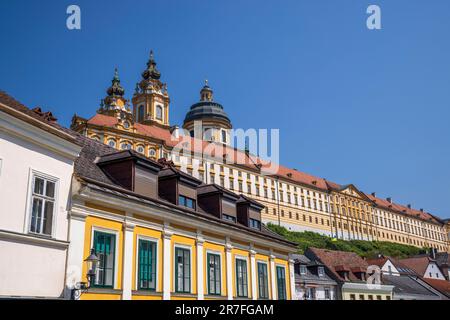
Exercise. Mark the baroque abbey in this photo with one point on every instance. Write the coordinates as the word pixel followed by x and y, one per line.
pixel 296 200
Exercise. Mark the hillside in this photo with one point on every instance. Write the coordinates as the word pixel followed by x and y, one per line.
pixel 366 249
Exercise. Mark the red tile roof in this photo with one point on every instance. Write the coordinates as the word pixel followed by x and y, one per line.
pixel 251 162
pixel 216 150
pixel 385 204
pixel 442 286
pixel 337 261
pixel 418 264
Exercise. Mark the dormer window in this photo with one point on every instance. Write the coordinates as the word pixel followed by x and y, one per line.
pixel 186 202
pixel 255 224
pixel 302 269
pixel 228 218
pixel 321 271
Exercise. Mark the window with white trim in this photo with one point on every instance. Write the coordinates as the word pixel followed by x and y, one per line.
pixel 43 194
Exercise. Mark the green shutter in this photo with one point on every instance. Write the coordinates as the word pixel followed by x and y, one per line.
pixel 147 265
pixel 104 245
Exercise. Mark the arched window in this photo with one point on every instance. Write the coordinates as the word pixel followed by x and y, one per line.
pixel 111 143
pixel 159 112
pixel 140 113
pixel 152 153
pixel 95 137
pixel 140 149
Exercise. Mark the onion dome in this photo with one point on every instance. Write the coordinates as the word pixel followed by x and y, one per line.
pixel 116 89
pixel 206 108
pixel 151 72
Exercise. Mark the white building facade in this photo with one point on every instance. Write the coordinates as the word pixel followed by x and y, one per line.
pixel 36 166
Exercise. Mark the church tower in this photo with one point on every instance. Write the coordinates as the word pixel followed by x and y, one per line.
pixel 216 124
pixel 115 104
pixel 151 100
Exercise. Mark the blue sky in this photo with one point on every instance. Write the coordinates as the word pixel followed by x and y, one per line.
pixel 352 105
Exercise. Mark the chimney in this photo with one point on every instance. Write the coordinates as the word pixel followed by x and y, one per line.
pixel 374 194
pixel 409 206
pixel 389 199
pixel 421 209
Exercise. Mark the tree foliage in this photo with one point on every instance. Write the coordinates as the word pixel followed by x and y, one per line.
pixel 367 249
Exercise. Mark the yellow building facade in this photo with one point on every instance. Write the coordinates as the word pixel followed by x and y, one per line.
pixel 150 249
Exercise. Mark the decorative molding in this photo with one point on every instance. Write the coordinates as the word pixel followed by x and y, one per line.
pixel 33 239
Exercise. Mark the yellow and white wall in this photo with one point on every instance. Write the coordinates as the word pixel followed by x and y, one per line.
pixel 130 225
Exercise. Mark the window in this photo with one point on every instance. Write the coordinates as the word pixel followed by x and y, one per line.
pixel 361 297
pixel 159 112
pixel 141 113
pixel 182 270
pixel 125 146
pixel 241 278
pixel 321 271
pixel 263 285
pixel 228 218
pixel 281 283
pixel 214 287
pixel 353 297
pixel 152 153
pixel 186 202
pixel 140 149
pixel 327 293
pixel 147 265
pixel 224 136
pixel 310 294
pixel 104 245
pixel 126 125
pixel 42 205
pixel 255 224
pixel 302 269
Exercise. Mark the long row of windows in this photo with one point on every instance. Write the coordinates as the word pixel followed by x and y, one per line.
pixel 105 244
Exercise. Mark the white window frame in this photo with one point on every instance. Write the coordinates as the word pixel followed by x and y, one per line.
pixel 29 204
pixel 219 253
pixel 158 259
pixel 116 249
pixel 187 247
pixel 285 279
pixel 269 288
pixel 249 288
pixel 156 112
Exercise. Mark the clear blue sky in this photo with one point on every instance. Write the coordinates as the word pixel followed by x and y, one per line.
pixel 354 106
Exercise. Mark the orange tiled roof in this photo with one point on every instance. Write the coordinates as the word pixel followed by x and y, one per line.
pixel 341 261
pixel 383 203
pixel 418 264
pixel 250 161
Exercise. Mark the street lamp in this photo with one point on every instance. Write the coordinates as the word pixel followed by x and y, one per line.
pixel 82 287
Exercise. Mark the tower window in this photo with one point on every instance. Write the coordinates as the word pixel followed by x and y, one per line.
pixel 140 113
pixel 152 153
pixel 159 112
pixel 224 136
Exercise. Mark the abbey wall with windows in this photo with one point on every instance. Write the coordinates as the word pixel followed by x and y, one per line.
pixel 296 200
